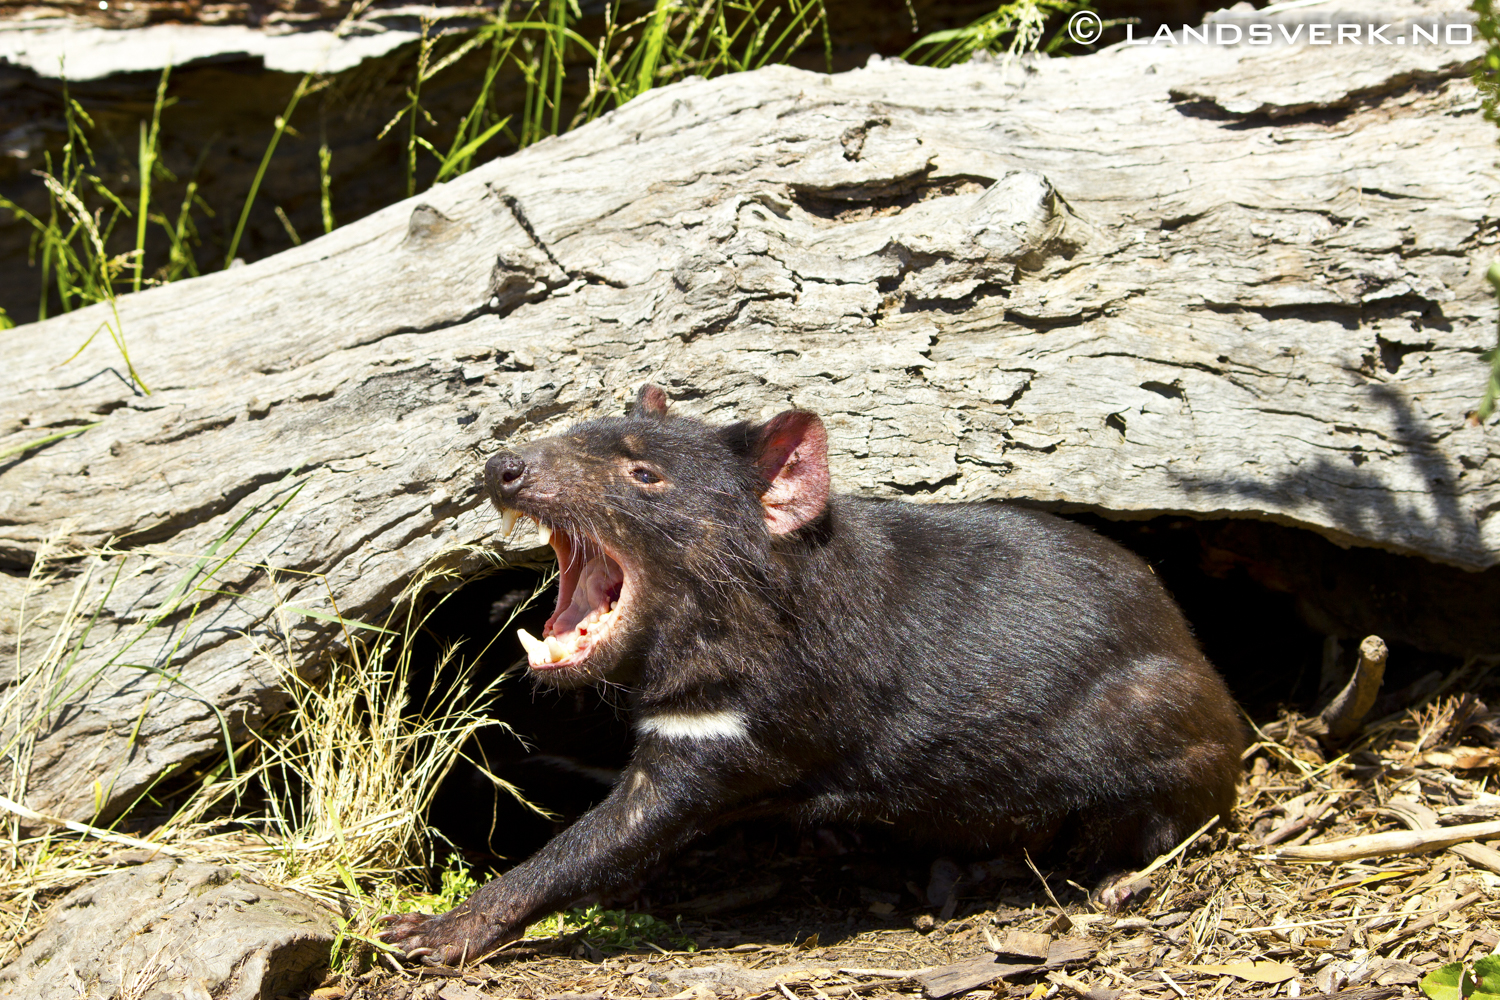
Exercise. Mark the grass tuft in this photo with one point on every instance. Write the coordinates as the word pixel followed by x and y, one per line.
pixel 1022 22
pixel 330 797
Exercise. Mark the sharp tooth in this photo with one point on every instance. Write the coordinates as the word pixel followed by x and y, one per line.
pixel 556 649
pixel 543 532
pixel 536 649
pixel 508 520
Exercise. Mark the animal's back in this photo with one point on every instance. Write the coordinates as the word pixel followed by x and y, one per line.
pixel 1020 666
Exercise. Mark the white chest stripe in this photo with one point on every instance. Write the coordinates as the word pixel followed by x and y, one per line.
pixel 695 725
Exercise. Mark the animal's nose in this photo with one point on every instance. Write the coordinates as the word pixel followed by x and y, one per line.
pixel 504 475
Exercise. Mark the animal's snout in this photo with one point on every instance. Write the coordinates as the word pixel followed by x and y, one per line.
pixel 504 475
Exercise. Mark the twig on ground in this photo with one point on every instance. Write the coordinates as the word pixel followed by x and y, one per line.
pixel 1430 920
pixel 1063 923
pixel 1394 842
pixel 1419 816
pixel 1346 918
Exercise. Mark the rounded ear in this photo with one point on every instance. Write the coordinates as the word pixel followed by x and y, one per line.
pixel 651 401
pixel 791 452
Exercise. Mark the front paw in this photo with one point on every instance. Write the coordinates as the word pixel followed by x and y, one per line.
pixel 455 938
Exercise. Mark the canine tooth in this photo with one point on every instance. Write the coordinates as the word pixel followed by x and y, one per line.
pixel 536 649
pixel 543 532
pixel 508 520
pixel 556 649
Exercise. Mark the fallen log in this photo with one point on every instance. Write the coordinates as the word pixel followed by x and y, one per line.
pixel 990 280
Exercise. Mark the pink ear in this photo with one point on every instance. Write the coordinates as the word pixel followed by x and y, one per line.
pixel 792 453
pixel 651 399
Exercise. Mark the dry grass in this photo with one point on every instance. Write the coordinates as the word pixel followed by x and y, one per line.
pixel 328 799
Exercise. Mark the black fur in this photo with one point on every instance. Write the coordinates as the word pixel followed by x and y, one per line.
pixel 978 675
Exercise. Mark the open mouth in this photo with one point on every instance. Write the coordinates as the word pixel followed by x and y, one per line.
pixel 590 588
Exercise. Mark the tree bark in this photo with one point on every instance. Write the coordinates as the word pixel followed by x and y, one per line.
pixel 1214 282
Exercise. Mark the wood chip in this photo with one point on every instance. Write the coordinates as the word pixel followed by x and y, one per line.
pixel 459 991
pixel 1365 993
pixel 947 980
pixel 1024 944
pixel 1069 951
pixel 1254 972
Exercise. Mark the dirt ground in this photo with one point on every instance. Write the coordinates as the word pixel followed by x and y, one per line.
pixel 767 913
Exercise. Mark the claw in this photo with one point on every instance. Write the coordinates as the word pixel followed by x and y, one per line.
pixel 440 941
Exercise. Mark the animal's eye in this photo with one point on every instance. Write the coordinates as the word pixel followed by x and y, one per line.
pixel 641 474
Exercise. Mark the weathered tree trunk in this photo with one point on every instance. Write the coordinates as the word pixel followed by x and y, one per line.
pixel 1220 282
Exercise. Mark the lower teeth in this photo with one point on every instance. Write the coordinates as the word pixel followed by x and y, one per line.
pixel 550 650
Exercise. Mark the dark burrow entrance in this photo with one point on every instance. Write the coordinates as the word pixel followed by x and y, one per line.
pixel 1280 611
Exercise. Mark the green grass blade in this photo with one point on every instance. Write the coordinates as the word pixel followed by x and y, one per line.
pixel 457 162
pixel 43 442
pixel 148 152
pixel 282 120
pixel 652 42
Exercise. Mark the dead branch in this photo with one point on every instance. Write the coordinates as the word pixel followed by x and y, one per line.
pixel 1348 709
pixel 1395 842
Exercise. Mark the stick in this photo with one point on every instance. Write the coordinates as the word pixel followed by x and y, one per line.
pixel 92 831
pixel 1332 920
pixel 1395 842
pixel 838 991
pixel 1419 816
pixel 1349 708
pixel 1063 979
pixel 1417 926
pixel 1175 988
pixel 1062 916
pixel 1294 825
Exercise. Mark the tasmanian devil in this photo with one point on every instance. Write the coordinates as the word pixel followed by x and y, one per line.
pixel 977 675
